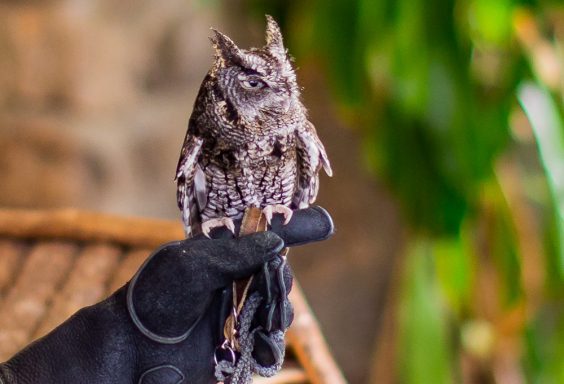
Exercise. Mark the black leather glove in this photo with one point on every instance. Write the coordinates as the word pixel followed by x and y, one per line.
pixel 164 326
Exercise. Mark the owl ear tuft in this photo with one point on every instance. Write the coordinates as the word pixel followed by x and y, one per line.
pixel 274 41
pixel 225 48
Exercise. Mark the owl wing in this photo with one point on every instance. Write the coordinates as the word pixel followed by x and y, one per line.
pixel 311 156
pixel 190 181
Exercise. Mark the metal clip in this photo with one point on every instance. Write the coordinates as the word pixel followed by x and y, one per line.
pixel 225 347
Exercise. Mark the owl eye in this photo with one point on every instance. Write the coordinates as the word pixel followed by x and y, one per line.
pixel 252 84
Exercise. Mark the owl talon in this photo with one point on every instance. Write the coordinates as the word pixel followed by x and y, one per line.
pixel 208 225
pixel 270 210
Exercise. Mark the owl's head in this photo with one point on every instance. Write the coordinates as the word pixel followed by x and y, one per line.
pixel 258 82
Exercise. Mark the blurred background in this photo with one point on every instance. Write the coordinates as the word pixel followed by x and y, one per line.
pixel 444 122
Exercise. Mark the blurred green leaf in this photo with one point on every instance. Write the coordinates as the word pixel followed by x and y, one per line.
pixel 491 21
pixel 545 350
pixel 337 36
pixel 503 247
pixel 454 271
pixel 411 165
pixel 424 345
pixel 548 127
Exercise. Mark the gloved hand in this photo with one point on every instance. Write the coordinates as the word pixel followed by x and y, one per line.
pixel 165 324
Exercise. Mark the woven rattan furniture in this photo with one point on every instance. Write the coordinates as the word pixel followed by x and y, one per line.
pixel 54 262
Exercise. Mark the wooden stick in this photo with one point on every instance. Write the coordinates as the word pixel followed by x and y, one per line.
pixel 309 344
pixel 289 375
pixel 88 226
pixel 253 221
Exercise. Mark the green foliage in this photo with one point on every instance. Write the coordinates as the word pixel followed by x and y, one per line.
pixel 425 357
pixel 548 127
pixel 454 270
pixel 436 88
pixel 544 345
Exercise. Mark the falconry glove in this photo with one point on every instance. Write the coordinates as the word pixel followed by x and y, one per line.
pixel 164 326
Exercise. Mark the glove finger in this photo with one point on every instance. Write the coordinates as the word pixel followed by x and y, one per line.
pixel 241 257
pixel 306 226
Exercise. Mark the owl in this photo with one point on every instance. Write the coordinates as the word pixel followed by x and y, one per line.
pixel 249 142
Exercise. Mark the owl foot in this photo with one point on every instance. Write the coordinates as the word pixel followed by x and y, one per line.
pixel 270 210
pixel 218 222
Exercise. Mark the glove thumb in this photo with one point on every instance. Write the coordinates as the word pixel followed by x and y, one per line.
pixel 241 257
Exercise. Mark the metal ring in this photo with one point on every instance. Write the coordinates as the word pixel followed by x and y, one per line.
pixel 225 346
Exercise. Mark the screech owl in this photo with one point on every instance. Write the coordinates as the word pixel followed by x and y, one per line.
pixel 249 142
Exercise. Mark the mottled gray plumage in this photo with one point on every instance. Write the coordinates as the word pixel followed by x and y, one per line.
pixel 249 142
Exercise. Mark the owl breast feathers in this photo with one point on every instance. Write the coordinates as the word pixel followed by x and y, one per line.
pixel 249 142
